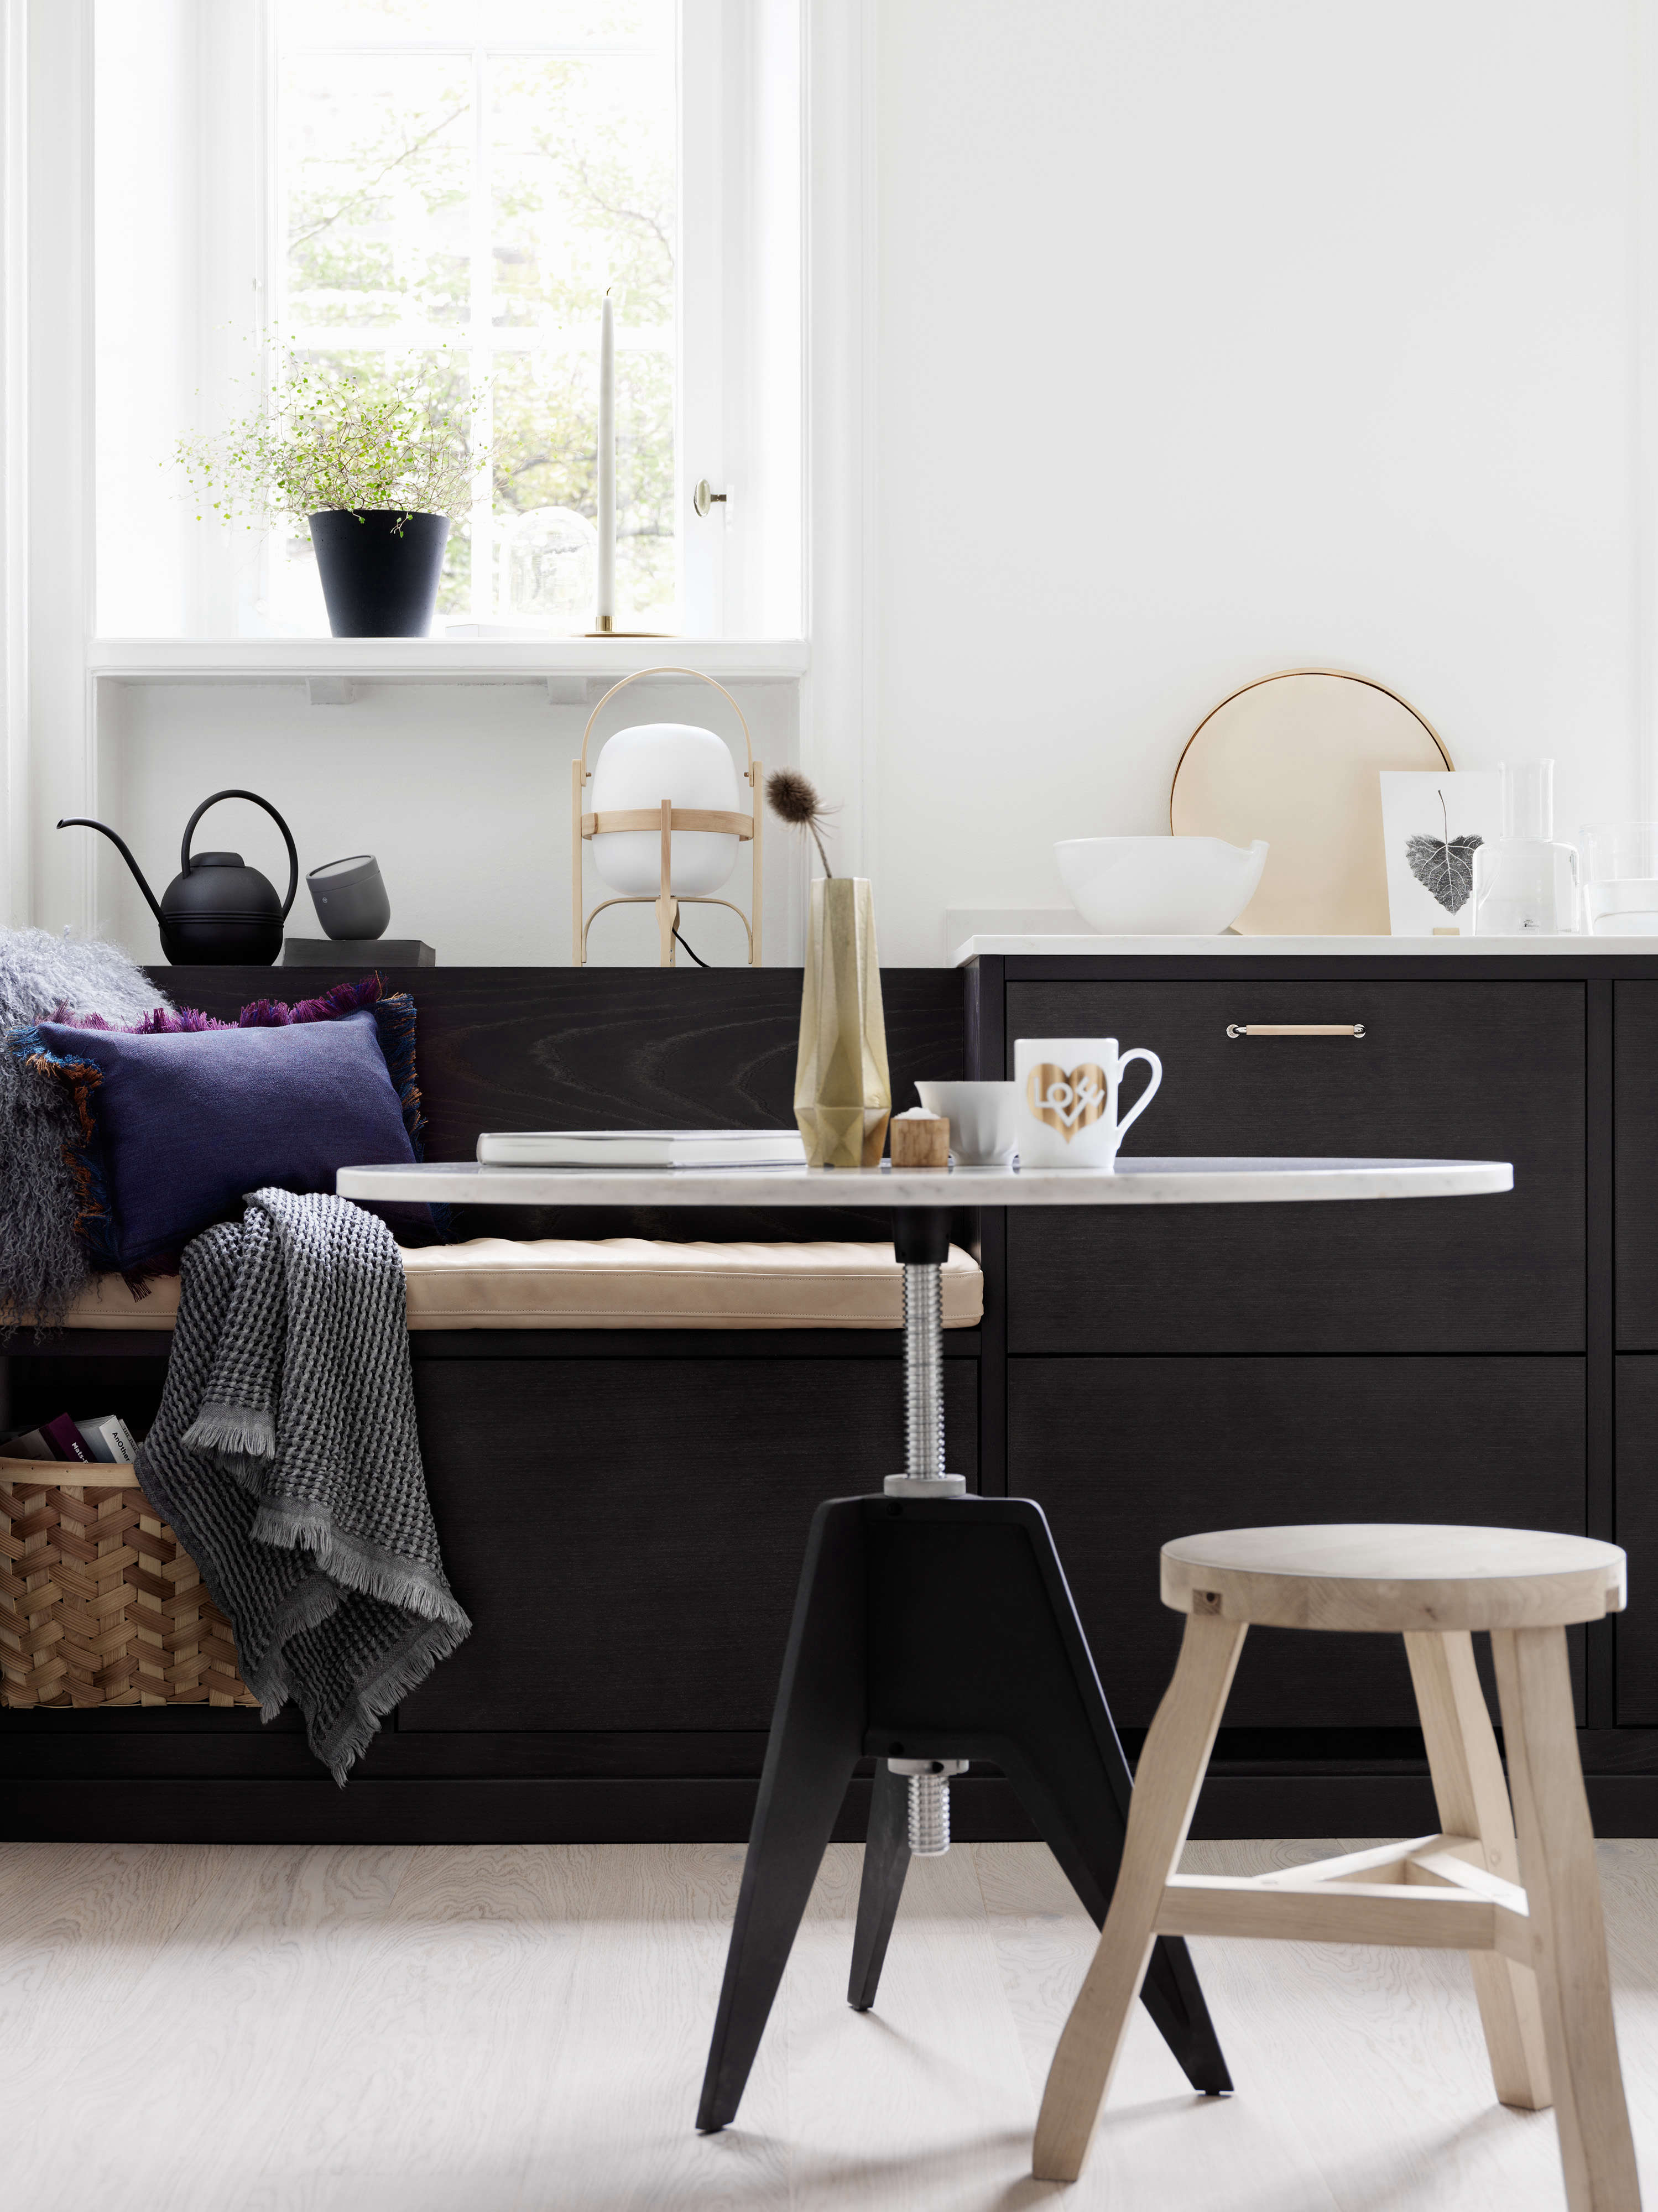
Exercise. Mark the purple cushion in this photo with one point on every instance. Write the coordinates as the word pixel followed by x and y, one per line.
pixel 187 1123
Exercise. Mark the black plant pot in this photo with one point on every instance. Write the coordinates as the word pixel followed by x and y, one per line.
pixel 380 580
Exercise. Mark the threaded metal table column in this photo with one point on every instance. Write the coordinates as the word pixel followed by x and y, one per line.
pixel 924 1374
pixel 921 1241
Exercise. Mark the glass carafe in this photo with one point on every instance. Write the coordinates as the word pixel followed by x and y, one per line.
pixel 1525 884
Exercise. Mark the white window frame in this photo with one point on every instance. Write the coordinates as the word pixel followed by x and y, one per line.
pixel 700 30
pixel 64 685
pixel 739 567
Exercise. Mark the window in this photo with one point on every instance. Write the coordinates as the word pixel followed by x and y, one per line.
pixel 456 186
pixel 446 189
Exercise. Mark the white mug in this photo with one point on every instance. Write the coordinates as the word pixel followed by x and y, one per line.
pixel 1068 1093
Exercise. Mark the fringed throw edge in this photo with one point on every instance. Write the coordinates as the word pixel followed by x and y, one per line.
pixel 95 1222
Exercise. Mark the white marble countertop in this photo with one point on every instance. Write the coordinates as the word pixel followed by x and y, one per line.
pixel 1531 946
pixel 1190 1182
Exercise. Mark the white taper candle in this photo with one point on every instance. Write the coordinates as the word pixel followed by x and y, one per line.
pixel 605 613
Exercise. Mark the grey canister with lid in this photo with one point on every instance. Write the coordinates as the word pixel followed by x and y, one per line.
pixel 349 896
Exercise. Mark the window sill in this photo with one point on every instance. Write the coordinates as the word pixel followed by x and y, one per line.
pixel 572 668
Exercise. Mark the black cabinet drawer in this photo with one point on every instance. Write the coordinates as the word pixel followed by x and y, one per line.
pixel 627 1535
pixel 1124 1455
pixel 1635 1158
pixel 1474 1070
pixel 1637 1530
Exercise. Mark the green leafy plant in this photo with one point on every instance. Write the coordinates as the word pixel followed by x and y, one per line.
pixel 327 439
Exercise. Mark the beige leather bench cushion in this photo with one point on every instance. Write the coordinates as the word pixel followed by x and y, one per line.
pixel 622 1282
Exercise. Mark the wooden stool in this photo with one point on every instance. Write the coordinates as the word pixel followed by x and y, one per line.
pixel 1539 1954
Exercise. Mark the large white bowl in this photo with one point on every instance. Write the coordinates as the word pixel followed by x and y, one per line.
pixel 1159 886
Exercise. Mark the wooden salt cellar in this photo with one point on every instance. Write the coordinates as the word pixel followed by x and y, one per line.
pixel 919 1141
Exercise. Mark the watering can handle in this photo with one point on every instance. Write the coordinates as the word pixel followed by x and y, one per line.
pixel 288 838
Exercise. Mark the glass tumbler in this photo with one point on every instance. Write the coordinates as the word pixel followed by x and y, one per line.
pixel 1620 880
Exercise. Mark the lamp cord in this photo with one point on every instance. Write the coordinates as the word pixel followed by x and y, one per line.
pixel 697 957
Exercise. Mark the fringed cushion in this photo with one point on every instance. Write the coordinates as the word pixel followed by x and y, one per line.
pixel 182 1117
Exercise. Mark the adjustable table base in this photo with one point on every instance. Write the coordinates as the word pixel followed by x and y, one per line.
pixel 930 1628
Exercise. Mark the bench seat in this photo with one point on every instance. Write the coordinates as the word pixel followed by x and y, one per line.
pixel 620 1282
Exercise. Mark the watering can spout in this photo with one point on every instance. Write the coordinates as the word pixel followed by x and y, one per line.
pixel 82 822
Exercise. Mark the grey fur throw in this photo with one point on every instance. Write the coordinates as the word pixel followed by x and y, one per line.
pixel 285 1456
pixel 43 1263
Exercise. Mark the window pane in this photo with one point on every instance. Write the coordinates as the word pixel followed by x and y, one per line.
pixel 583 160
pixel 474 175
pixel 546 429
pixel 377 179
pixel 521 23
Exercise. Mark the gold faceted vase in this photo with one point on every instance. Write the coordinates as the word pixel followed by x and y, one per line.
pixel 843 1092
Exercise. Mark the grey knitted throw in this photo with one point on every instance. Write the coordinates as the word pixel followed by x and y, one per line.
pixel 285 1457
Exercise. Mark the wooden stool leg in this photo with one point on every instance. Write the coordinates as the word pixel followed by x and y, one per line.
pixel 1473 1801
pixel 1166 1786
pixel 1557 1853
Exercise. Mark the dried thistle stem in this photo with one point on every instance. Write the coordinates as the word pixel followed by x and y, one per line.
pixel 794 799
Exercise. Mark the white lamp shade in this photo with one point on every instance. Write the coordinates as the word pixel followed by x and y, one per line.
pixel 643 766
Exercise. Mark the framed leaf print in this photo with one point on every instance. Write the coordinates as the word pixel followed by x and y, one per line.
pixel 1431 827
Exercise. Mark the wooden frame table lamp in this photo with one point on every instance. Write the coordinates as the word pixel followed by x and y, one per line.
pixel 664 825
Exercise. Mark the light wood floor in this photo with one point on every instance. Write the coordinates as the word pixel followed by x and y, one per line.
pixel 395 2029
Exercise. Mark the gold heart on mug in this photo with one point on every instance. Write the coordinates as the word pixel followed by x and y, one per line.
pixel 1066 1103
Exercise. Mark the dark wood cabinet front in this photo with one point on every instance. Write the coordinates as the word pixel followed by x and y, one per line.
pixel 1635 1155
pixel 1486 1069
pixel 1124 1455
pixel 1637 1531
pixel 627 1535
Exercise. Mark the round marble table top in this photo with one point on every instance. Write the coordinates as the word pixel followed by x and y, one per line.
pixel 1132 1183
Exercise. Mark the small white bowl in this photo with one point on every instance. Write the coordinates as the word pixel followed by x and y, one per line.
pixel 983 1120
pixel 1159 886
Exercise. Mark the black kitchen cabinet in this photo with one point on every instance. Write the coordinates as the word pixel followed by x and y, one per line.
pixel 1637 1531
pixel 623 1514
pixel 1485 1070
pixel 627 1535
pixel 1635 1122
pixel 1124 1453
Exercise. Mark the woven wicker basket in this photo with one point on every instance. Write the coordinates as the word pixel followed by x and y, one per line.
pixel 99 1603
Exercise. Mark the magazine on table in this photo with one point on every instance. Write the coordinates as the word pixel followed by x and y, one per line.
pixel 642 1148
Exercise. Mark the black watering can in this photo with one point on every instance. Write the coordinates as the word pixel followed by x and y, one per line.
pixel 218 913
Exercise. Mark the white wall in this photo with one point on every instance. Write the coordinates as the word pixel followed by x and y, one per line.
pixel 1220 338
pixel 462 791
pixel 180 305
pixel 1204 339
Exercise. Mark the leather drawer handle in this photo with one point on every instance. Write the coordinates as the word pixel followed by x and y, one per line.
pixel 1295 1029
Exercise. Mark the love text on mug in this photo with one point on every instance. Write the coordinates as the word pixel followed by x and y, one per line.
pixel 1066 1100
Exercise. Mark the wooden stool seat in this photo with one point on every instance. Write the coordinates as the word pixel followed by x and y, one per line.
pixel 1538 1952
pixel 1397 1575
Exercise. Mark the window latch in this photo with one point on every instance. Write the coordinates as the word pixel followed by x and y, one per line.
pixel 705 496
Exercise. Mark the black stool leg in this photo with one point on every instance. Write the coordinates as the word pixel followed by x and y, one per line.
pixel 816 1737
pixel 1072 1805
pixel 886 1861
pixel 934 1629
